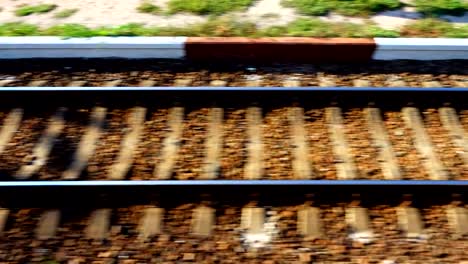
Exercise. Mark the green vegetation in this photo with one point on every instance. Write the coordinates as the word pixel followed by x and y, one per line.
pixel 309 7
pixel 369 7
pixel 18 29
pixel 229 28
pixel 147 7
pixel 65 13
pixel 317 28
pixel 34 9
pixel 223 27
pixel 131 29
pixel 440 7
pixel 205 7
pixel 68 30
pixel 435 28
pixel 344 7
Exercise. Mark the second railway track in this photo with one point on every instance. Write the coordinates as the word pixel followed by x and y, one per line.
pixel 155 73
pixel 234 134
pixel 266 227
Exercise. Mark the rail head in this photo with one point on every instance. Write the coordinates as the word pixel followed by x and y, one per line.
pixel 382 184
pixel 232 89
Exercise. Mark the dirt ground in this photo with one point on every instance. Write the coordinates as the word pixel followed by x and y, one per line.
pixel 264 13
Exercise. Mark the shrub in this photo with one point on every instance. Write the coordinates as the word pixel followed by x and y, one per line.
pixel 69 30
pixel 345 7
pixel 365 7
pixel 65 13
pixel 316 28
pixel 440 7
pixel 18 29
pixel 378 32
pixel 131 29
pixel 434 28
pixel 274 31
pixel 35 9
pixel 457 32
pixel 228 27
pixel 310 7
pixel 223 28
pixel 148 7
pixel 204 7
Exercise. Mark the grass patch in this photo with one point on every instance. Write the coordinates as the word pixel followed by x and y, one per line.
pixel 18 29
pixel 149 8
pixel 230 28
pixel 441 7
pixel 132 29
pixel 205 7
pixel 309 7
pixel 34 9
pixel 344 7
pixel 68 30
pixel 317 28
pixel 65 13
pixel 223 28
pixel 434 28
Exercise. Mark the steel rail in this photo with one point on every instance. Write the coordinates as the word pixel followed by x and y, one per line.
pixel 63 193
pixel 217 183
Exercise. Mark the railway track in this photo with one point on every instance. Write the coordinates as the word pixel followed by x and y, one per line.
pixel 304 228
pixel 152 73
pixel 233 169
pixel 232 134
